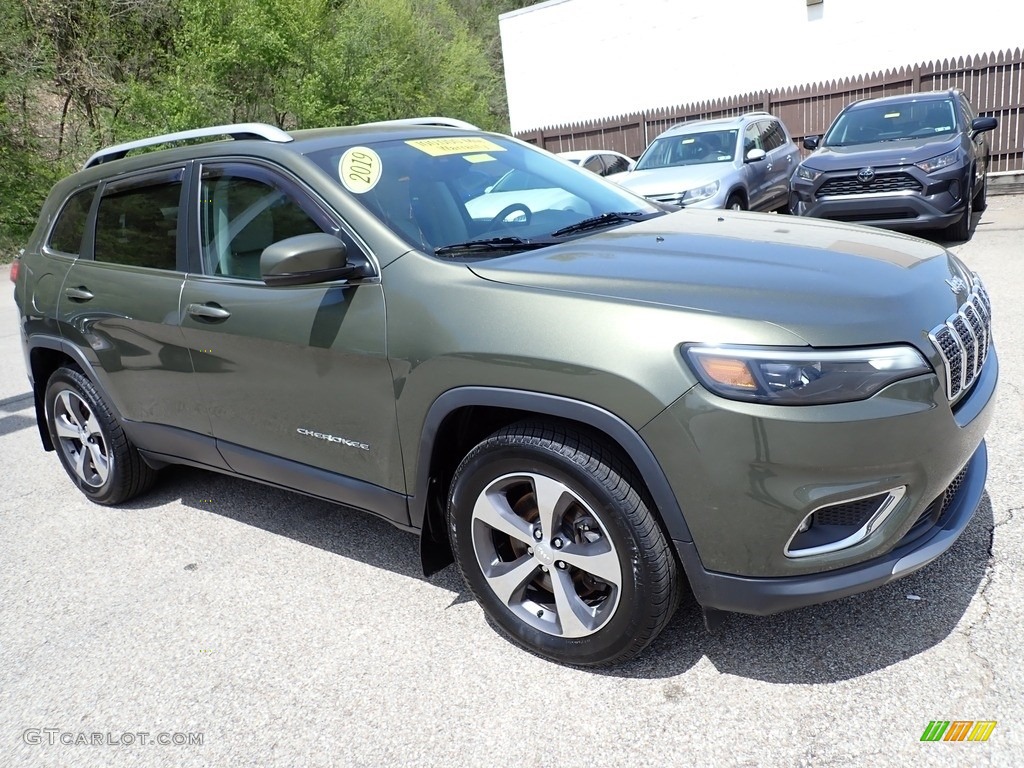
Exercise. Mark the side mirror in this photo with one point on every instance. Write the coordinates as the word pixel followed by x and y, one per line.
pixel 811 142
pixel 755 155
pixel 305 260
pixel 982 124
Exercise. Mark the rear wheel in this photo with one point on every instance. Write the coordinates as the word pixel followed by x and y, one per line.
pixel 91 444
pixel 554 538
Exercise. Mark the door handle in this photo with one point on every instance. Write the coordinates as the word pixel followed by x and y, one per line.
pixel 208 312
pixel 79 294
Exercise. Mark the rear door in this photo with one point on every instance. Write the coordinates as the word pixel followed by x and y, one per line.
pixel 298 374
pixel 757 172
pixel 119 301
pixel 779 166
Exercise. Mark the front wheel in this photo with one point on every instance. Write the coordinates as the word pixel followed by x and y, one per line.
pixel 960 231
pixel 91 444
pixel 981 198
pixel 735 203
pixel 555 539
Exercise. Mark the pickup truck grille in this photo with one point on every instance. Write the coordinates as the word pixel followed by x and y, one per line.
pixel 882 182
pixel 963 341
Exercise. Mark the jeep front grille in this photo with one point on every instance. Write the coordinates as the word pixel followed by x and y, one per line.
pixel 882 182
pixel 963 341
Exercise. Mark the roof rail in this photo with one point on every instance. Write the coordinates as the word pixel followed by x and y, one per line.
pixel 444 122
pixel 237 131
pixel 724 117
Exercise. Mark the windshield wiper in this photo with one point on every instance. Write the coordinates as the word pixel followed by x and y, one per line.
pixel 604 220
pixel 490 244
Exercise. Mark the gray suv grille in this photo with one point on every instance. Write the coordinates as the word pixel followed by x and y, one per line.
pixel 963 341
pixel 882 182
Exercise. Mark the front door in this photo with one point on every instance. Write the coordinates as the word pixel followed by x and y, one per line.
pixel 292 374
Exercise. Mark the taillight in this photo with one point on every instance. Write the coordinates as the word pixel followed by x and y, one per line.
pixel 15 267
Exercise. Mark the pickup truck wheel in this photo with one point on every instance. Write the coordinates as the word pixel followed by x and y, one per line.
pixel 555 539
pixel 91 444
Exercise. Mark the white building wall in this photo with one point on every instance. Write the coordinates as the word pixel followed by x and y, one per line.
pixel 572 60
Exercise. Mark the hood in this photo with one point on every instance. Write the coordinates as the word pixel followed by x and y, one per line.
pixel 671 180
pixel 881 153
pixel 829 284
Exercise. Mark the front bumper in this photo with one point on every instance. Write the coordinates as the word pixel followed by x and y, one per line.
pixel 746 476
pixel 764 596
pixel 940 200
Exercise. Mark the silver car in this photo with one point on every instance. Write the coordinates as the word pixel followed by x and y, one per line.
pixel 742 162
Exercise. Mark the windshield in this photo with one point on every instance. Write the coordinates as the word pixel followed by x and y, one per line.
pixel 690 149
pixel 439 192
pixel 892 122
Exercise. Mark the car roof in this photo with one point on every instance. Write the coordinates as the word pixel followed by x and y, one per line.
pixel 577 154
pixel 903 98
pixel 715 124
pixel 268 142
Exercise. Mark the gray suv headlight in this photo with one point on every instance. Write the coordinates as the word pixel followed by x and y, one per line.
pixel 807 174
pixel 700 193
pixel 936 163
pixel 786 376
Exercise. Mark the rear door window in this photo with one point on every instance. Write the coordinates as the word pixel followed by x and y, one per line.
pixel 137 222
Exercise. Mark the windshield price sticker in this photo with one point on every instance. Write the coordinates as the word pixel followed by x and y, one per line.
pixel 359 170
pixel 478 158
pixel 455 146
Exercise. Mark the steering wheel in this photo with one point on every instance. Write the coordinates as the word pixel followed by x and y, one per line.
pixel 505 212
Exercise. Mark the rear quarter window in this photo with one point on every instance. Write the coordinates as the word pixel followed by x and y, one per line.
pixel 68 230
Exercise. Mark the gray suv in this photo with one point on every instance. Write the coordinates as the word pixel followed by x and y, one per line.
pixel 742 163
pixel 910 162
pixel 589 403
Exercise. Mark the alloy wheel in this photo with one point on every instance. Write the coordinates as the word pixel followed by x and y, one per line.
pixel 546 555
pixel 81 439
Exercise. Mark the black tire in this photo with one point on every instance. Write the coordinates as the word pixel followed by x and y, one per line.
pixel 981 197
pixel 92 447
pixel 735 203
pixel 600 584
pixel 961 230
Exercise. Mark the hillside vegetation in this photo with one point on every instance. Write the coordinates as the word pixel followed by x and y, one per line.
pixel 76 75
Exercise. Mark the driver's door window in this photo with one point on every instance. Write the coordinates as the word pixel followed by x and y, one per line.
pixel 240 215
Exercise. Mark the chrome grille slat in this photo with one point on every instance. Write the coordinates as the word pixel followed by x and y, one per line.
pixel 963 341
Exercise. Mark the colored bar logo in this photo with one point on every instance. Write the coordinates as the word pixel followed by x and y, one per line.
pixel 958 730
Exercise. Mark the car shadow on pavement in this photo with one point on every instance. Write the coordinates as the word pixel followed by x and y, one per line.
pixel 820 644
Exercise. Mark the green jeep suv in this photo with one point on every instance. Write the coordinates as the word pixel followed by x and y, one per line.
pixel 589 401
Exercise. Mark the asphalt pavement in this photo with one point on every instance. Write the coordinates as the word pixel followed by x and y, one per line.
pixel 246 626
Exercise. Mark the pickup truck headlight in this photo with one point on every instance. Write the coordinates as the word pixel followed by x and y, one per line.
pixel 699 193
pixel 807 174
pixel 787 376
pixel 936 163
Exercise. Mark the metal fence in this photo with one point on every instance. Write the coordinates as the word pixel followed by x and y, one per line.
pixel 992 81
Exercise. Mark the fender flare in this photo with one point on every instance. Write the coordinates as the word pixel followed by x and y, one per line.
pixel 627 438
pixel 57 344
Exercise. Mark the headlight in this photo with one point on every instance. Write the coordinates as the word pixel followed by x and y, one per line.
pixel 700 193
pixel 786 376
pixel 807 174
pixel 933 164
